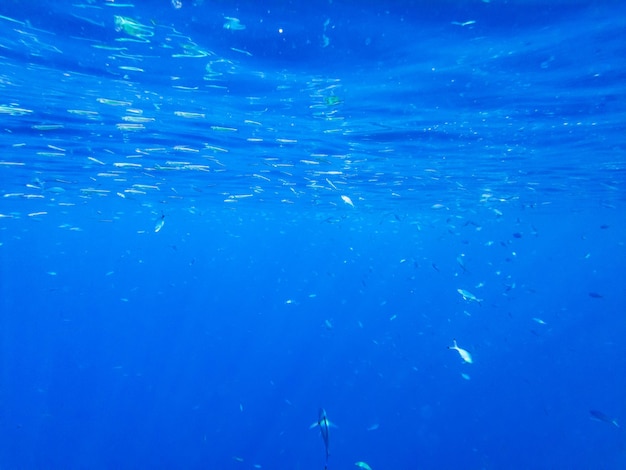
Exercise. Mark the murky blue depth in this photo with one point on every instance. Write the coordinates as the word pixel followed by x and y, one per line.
pixel 290 235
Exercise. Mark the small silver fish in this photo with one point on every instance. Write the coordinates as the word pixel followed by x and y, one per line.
pixel 467 357
pixel 160 223
pixel 468 296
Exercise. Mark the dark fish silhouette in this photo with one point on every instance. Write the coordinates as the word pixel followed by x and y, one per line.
pixel 598 415
pixel 324 424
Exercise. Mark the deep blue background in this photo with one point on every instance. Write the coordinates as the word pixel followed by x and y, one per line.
pixel 488 157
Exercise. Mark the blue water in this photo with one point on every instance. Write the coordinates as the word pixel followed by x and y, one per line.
pixel 218 217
